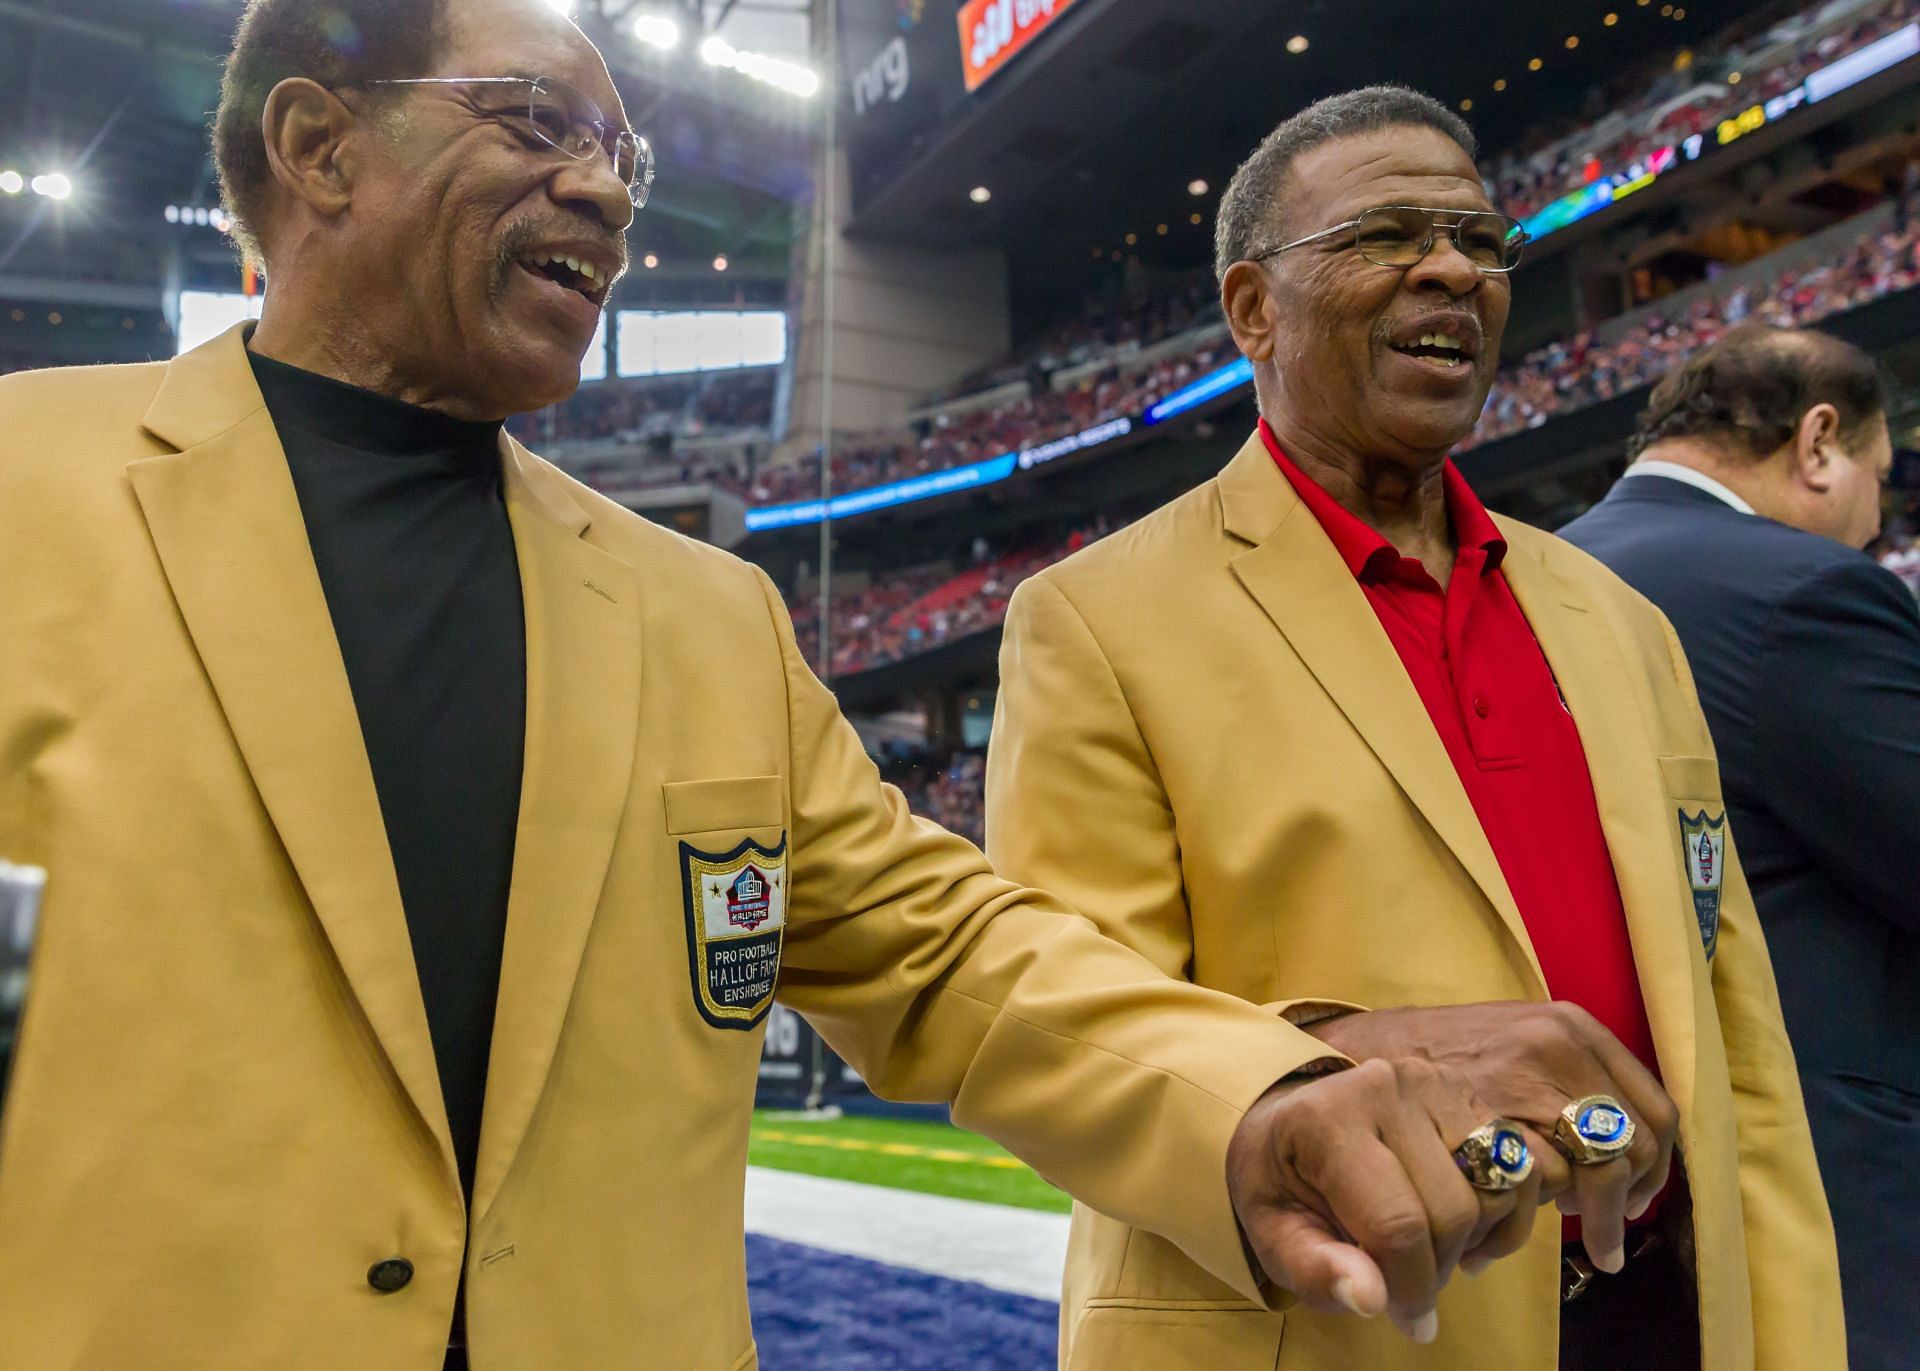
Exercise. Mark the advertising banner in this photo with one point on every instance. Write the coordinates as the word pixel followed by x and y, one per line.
pixel 994 32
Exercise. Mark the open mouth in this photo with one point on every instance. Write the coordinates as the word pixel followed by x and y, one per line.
pixel 1444 349
pixel 569 273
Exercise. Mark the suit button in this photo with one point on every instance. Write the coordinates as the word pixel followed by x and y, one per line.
pixel 1481 706
pixel 390 1275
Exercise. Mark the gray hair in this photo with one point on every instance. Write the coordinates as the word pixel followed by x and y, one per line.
pixel 1251 204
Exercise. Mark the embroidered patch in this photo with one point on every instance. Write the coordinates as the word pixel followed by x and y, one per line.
pixel 1703 840
pixel 736 905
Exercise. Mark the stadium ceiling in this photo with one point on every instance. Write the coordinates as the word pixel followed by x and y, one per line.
pixel 1099 131
pixel 118 95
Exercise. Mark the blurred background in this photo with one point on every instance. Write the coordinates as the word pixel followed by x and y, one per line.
pixel 922 303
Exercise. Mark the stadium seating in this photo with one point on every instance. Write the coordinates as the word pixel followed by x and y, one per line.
pixel 1684 94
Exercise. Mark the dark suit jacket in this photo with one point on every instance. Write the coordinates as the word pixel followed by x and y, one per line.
pixel 1807 658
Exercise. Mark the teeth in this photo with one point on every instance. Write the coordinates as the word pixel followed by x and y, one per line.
pixel 586 270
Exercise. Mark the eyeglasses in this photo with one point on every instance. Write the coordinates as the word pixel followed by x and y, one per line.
pixel 1402 235
pixel 561 117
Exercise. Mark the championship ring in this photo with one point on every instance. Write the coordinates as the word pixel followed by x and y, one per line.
pixel 1593 1130
pixel 1495 1157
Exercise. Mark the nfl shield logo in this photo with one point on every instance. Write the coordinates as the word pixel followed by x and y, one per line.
pixel 1703 841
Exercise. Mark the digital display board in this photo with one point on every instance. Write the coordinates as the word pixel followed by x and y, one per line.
pixel 994 32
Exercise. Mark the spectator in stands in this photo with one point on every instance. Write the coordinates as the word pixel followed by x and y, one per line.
pixel 1757 482
pixel 1429 744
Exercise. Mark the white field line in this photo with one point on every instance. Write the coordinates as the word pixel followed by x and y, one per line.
pixel 1017 1250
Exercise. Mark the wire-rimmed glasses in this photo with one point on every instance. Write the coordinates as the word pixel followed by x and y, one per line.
pixel 1402 235
pixel 564 118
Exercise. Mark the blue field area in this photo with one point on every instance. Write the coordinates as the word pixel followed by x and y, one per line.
pixel 820 1311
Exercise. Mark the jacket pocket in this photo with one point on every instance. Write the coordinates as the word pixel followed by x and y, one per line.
pixel 732 803
pixel 1692 780
pixel 1147 1335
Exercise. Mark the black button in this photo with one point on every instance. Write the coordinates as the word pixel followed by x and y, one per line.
pixel 390 1275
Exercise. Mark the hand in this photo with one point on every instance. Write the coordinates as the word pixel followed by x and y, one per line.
pixel 1526 1061
pixel 1348 1193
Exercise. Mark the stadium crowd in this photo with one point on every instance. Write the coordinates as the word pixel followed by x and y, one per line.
pixel 952 793
pixel 904 614
pixel 1583 370
pixel 1686 93
pixel 637 407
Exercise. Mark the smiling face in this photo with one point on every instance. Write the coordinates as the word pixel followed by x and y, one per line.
pixel 1370 360
pixel 480 256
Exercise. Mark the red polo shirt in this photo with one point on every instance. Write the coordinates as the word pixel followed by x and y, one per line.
pixel 1493 700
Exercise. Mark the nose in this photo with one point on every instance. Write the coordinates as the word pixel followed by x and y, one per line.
pixel 1445 268
pixel 590 186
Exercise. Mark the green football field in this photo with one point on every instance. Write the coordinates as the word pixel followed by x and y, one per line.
pixel 908 1155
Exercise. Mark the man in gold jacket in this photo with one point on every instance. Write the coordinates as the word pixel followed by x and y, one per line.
pixel 1256 740
pixel 426 835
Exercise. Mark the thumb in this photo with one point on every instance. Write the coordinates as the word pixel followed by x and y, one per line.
pixel 1302 1254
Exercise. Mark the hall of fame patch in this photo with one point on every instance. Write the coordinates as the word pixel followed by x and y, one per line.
pixel 1704 841
pixel 736 904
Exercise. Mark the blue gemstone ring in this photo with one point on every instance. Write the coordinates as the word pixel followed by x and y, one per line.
pixel 1593 1129
pixel 1495 1156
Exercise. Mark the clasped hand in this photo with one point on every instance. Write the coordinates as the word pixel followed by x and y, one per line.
pixel 1346 1185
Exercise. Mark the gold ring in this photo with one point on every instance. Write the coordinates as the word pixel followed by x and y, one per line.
pixel 1593 1129
pixel 1495 1157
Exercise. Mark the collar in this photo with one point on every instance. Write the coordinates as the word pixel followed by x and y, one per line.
pixel 1699 480
pixel 1367 553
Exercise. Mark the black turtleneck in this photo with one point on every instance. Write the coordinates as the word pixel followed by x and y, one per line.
pixel 408 523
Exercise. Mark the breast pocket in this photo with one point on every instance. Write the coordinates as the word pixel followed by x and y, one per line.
pixel 732 859
pixel 1700 823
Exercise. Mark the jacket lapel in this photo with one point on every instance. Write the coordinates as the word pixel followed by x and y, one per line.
pixel 1298 578
pixel 226 523
pixel 583 701
pixel 1586 658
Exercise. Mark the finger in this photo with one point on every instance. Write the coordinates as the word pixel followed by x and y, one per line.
pixel 1510 1235
pixel 1377 1204
pixel 1300 1252
pixel 1550 1166
pixel 1601 1192
pixel 1655 1116
pixel 1459 1216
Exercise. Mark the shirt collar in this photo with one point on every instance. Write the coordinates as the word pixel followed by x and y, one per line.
pixel 1699 480
pixel 1367 553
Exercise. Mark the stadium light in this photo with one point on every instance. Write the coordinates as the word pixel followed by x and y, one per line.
pixel 720 262
pixel 650 261
pixel 790 77
pixel 1196 187
pixel 657 31
pixel 979 195
pixel 53 185
pixel 1297 44
pixel 12 182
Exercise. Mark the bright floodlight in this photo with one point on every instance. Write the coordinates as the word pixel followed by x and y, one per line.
pixel 1196 187
pixel 53 185
pixel 12 182
pixel 790 77
pixel 1297 44
pixel 720 262
pixel 979 195
pixel 657 31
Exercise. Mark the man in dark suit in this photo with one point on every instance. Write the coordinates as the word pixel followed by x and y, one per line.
pixel 1757 480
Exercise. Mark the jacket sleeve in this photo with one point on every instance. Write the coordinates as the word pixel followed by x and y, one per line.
pixel 1837 732
pixel 939 981
pixel 1792 1264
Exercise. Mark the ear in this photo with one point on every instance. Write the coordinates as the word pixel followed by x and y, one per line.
pixel 1816 448
pixel 1246 300
pixel 305 127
